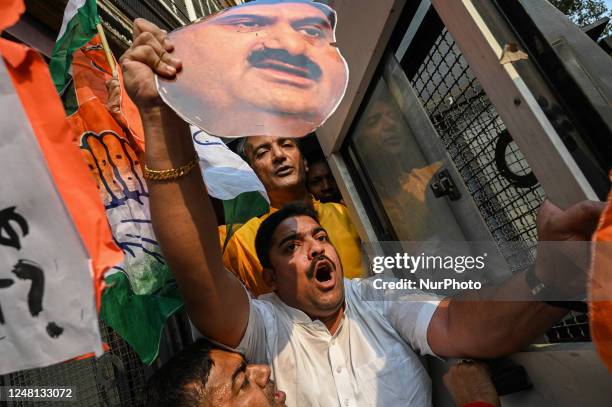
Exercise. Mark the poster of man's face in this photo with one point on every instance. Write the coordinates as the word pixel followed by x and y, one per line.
pixel 267 67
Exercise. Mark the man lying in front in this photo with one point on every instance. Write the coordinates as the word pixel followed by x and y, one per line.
pixel 325 345
pixel 204 375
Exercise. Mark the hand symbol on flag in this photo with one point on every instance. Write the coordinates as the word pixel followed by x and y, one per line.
pixel 116 167
pixel 117 170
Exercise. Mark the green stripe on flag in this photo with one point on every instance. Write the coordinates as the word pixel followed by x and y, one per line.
pixel 80 20
pixel 245 206
pixel 69 99
pixel 139 319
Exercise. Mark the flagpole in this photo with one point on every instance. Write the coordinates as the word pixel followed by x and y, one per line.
pixel 107 51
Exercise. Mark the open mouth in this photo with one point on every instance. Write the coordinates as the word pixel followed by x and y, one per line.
pixel 323 274
pixel 277 397
pixel 280 397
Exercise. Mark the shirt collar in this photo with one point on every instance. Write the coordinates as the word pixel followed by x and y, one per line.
pixel 297 316
pixel 315 204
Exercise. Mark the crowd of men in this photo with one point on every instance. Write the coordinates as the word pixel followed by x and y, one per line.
pixel 279 164
pixel 283 300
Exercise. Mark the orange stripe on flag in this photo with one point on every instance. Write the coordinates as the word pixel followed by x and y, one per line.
pixel 10 11
pixel 91 70
pixel 105 347
pixel 74 183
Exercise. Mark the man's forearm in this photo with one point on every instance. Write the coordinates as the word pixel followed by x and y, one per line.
pixel 167 138
pixel 185 226
pixel 176 206
pixel 479 325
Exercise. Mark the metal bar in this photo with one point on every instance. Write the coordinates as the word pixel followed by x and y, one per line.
pixel 352 198
pixel 415 23
pixel 550 160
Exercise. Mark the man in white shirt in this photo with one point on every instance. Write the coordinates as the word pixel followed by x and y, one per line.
pixel 322 334
pixel 326 346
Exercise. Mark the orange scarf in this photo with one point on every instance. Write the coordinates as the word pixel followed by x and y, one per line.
pixel 600 302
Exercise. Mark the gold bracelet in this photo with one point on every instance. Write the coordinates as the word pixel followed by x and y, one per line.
pixel 171 174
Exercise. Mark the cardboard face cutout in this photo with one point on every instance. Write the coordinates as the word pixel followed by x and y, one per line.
pixel 268 67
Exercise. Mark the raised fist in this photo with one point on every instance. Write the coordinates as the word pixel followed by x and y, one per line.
pixel 149 54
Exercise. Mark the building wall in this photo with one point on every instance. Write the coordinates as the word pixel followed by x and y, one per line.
pixel 41 22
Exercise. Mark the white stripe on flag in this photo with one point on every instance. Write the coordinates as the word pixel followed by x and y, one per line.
pixel 72 8
pixel 226 174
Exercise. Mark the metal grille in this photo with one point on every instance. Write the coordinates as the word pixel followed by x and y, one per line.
pixel 471 130
pixel 152 11
pixel 573 328
pixel 469 127
pixel 179 8
pixel 115 379
pixel 207 7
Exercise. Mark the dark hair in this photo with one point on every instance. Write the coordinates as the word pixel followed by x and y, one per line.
pixel 181 381
pixel 317 160
pixel 242 142
pixel 263 239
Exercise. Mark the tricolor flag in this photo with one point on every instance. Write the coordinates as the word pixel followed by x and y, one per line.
pixel 229 178
pixel 141 293
pixel 78 27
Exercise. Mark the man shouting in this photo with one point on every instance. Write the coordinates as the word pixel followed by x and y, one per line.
pixel 326 346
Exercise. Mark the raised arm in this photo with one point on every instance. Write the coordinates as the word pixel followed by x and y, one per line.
pixel 479 326
pixel 182 214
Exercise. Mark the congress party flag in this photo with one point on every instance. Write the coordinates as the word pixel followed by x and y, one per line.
pixel 78 27
pixel 140 291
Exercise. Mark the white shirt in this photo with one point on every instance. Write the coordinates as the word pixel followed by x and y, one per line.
pixel 370 361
